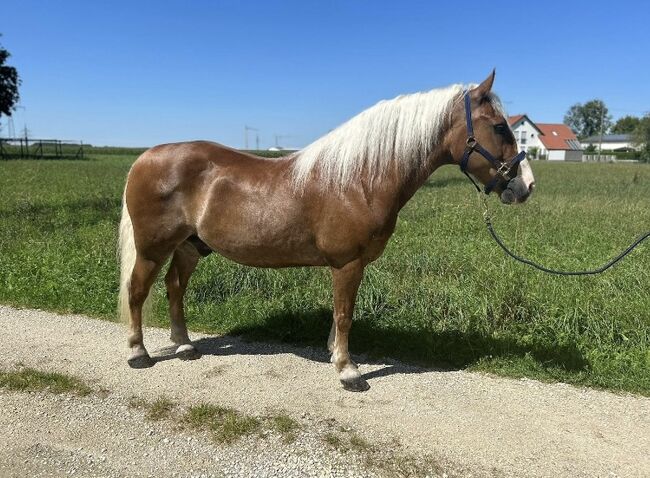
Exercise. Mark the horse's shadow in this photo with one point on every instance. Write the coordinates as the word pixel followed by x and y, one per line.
pixel 230 345
pixel 397 350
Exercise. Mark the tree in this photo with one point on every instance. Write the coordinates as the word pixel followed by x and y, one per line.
pixel 9 83
pixel 626 125
pixel 585 120
pixel 641 137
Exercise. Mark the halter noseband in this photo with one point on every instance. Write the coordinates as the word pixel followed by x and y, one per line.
pixel 503 168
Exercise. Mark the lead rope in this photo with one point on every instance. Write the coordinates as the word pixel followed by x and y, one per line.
pixel 488 222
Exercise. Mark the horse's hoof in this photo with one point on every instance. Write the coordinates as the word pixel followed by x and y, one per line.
pixel 187 352
pixel 355 384
pixel 141 361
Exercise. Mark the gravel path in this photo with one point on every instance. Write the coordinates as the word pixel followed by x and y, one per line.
pixel 469 424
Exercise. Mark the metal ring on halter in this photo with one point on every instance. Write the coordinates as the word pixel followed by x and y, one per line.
pixel 504 171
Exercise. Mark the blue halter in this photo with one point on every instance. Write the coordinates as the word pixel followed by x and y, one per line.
pixel 503 168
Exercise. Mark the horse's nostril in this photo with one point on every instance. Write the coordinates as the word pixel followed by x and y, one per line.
pixel 531 187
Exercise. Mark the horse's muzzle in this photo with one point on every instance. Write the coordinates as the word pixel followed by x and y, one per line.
pixel 517 191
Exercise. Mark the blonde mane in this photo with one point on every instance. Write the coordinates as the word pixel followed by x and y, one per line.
pixel 400 132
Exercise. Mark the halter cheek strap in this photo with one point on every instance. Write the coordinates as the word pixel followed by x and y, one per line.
pixel 503 168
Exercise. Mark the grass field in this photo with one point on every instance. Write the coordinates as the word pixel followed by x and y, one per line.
pixel 442 294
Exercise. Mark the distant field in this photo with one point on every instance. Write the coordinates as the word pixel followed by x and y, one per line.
pixel 442 294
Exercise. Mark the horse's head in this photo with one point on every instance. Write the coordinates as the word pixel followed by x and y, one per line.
pixel 483 145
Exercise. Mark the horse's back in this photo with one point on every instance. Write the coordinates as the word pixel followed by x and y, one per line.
pixel 184 168
pixel 192 158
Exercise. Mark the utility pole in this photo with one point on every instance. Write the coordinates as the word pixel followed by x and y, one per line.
pixel 257 139
pixel 11 128
pixel 602 121
pixel 278 138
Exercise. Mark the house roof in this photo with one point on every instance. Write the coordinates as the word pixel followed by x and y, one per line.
pixel 557 136
pixel 513 120
pixel 609 138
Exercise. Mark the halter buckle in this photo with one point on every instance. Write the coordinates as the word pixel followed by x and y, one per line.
pixel 471 142
pixel 504 170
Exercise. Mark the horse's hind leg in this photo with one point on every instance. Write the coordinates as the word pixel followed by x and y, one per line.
pixel 142 278
pixel 183 263
pixel 346 282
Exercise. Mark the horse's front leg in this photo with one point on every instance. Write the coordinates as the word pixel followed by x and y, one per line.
pixel 346 282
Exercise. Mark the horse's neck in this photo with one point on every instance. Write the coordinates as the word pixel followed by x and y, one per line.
pixel 404 188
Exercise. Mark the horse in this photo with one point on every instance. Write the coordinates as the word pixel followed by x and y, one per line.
pixel 334 203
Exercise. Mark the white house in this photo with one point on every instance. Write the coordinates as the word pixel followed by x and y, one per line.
pixel 610 142
pixel 526 132
pixel 555 142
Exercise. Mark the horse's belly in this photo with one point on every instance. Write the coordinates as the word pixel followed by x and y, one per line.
pixel 262 246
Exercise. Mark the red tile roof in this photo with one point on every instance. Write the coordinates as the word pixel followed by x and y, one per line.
pixel 514 119
pixel 555 136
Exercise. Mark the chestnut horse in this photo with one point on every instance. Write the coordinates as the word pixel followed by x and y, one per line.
pixel 335 203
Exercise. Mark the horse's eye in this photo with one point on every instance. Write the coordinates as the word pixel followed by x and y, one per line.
pixel 501 128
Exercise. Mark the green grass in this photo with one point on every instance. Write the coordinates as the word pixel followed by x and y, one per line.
pixel 159 409
pixel 286 426
pixel 333 440
pixel 442 294
pixel 226 424
pixel 32 380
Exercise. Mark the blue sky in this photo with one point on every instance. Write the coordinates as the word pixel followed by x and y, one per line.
pixel 139 73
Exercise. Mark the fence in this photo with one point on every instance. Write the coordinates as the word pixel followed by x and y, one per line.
pixel 27 148
pixel 594 158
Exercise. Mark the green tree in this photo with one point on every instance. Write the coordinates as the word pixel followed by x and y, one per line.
pixel 585 120
pixel 626 125
pixel 9 82
pixel 641 137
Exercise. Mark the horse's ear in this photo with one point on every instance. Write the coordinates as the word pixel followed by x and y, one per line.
pixel 482 90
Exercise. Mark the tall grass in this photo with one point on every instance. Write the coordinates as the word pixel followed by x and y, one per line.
pixel 441 295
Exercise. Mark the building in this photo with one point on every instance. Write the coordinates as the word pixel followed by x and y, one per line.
pixel 610 142
pixel 559 142
pixel 526 133
pixel 555 142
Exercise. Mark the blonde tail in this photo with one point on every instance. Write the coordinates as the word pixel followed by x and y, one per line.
pixel 126 252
